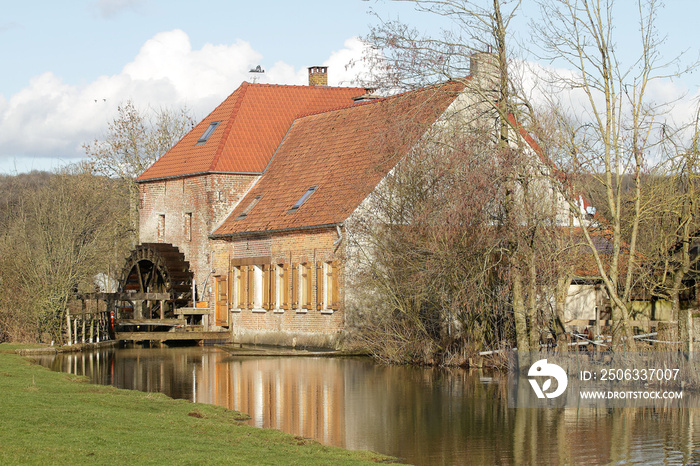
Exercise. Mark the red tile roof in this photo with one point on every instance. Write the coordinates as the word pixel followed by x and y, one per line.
pixel 254 120
pixel 344 153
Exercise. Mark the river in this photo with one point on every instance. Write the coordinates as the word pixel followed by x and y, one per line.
pixel 420 415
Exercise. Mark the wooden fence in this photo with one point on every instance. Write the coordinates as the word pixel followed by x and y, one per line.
pixel 90 324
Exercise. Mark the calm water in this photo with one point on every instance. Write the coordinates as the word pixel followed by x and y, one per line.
pixel 423 416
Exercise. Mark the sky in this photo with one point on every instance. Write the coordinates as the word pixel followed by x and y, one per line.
pixel 66 66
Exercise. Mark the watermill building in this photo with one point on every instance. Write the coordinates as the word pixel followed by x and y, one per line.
pixel 258 197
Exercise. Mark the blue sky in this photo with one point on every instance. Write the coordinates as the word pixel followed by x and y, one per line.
pixel 67 65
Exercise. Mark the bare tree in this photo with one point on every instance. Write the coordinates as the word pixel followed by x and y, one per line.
pixel 672 231
pixel 59 234
pixel 134 140
pixel 610 129
pixel 480 29
pixel 429 260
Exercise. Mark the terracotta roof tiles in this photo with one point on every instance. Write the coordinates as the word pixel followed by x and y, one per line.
pixel 254 120
pixel 343 153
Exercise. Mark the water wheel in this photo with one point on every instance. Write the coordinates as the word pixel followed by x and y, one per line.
pixel 158 268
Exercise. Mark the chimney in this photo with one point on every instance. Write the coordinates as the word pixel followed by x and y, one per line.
pixel 484 66
pixel 318 76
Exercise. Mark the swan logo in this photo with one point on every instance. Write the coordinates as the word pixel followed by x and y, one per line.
pixel 543 369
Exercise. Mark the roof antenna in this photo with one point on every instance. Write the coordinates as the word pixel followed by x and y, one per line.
pixel 257 70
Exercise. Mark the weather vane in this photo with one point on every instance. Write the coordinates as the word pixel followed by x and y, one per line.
pixel 257 70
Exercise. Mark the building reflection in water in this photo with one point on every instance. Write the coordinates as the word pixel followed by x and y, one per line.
pixel 303 396
pixel 422 415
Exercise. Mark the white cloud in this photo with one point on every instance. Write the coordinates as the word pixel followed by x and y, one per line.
pixel 672 102
pixel 50 119
pixel 345 65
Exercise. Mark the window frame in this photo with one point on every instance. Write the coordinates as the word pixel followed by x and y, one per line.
pixel 160 229
pixel 250 206
pixel 188 226
pixel 302 200
pixel 207 133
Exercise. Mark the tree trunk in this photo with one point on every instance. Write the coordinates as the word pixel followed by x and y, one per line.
pixel 532 302
pixel 560 295
pixel 519 315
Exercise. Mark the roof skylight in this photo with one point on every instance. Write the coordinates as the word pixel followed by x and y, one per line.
pixel 247 210
pixel 207 133
pixel 303 199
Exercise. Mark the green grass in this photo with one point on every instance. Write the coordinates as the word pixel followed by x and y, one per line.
pixel 55 418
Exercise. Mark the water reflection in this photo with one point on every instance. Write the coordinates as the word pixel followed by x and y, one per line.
pixel 425 416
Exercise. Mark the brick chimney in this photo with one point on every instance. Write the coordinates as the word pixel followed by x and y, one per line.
pixel 318 76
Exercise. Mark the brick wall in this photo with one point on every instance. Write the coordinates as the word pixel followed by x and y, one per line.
pixel 313 327
pixel 184 212
pixel 191 207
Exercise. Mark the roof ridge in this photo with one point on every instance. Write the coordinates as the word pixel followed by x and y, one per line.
pixel 305 86
pixel 385 98
pixel 341 107
pixel 229 124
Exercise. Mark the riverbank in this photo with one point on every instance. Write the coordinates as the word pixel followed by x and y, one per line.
pixel 237 349
pixel 51 417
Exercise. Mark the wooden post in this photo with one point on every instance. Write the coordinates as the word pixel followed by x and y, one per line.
pixel 101 324
pixel 162 310
pixel 75 330
pixel 70 337
pixel 92 328
pixel 83 335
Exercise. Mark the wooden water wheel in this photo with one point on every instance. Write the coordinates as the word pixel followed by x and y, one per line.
pixel 158 268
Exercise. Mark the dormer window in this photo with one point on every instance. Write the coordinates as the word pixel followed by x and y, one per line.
pixel 205 136
pixel 247 210
pixel 303 199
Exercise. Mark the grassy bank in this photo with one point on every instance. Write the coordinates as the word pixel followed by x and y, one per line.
pixel 57 418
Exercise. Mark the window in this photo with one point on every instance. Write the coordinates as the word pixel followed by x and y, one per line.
pixel 320 289
pixel 327 286
pixel 303 199
pixel 242 288
pixel 246 290
pixel 160 233
pixel 250 207
pixel 295 286
pixel 279 293
pixel 251 283
pixel 283 277
pixel 188 226
pixel 332 294
pixel 255 285
pixel 306 286
pixel 266 287
pixel 269 286
pixel 207 133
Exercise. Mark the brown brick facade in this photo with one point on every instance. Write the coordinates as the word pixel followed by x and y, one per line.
pixel 302 304
pixel 184 211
